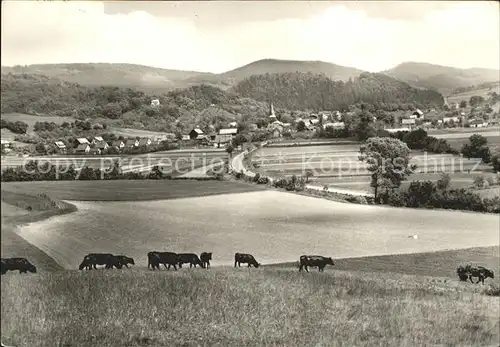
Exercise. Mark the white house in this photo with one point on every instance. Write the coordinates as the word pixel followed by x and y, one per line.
pixel 334 125
pixel 232 125
pixel 155 103
pixel 61 147
pixel 397 129
pixel 408 121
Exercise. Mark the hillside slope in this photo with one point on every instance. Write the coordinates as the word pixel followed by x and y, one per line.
pixel 122 75
pixel 179 109
pixel 444 79
pixel 317 92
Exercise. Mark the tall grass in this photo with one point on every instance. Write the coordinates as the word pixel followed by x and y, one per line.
pixel 229 307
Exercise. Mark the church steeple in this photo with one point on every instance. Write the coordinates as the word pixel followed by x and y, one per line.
pixel 271 111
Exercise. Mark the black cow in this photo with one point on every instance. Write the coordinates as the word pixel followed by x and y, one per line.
pixel 124 260
pixel 478 271
pixel 165 258
pixel 91 260
pixel 314 260
pixel 190 258
pixel 21 264
pixel 245 259
pixel 205 259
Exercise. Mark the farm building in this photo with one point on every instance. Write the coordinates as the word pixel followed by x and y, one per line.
pixel 82 148
pixel 60 146
pixel 417 114
pixel 185 138
pixel 409 122
pixel 232 125
pixel 334 125
pixel 5 144
pixel 145 141
pixel 82 140
pixel 102 145
pixel 118 144
pixel 132 143
pixel 478 123
pixel 451 119
pixel 230 131
pixel 395 130
pixel 196 134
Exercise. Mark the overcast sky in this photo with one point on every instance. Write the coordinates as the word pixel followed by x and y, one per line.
pixel 220 36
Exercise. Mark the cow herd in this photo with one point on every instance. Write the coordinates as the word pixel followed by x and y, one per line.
pixel 171 259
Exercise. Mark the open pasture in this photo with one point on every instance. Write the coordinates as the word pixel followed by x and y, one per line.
pixel 274 226
pixel 435 264
pixel 343 161
pixel 257 307
pixel 484 92
pixel 458 180
pixel 128 190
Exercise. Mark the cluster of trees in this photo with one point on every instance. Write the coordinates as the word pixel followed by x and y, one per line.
pixel 419 140
pixel 16 127
pixel 303 91
pixel 477 147
pixel 36 171
pixel 428 194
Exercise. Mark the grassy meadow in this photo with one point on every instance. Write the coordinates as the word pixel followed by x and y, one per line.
pixel 242 307
pixel 129 190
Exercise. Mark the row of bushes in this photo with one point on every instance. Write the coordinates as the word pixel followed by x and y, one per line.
pixel 427 194
pixel 35 171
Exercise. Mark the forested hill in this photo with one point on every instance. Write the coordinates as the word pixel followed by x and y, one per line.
pixel 179 110
pixel 303 91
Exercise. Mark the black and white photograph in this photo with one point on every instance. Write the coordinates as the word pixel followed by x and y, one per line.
pixel 250 173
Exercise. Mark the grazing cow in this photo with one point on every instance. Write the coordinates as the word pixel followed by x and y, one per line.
pixel 21 264
pixel 91 260
pixel 205 259
pixel 245 259
pixel 314 260
pixel 190 258
pixel 165 258
pixel 124 260
pixel 470 271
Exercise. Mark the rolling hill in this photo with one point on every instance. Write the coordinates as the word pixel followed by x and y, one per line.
pixel 156 79
pixel 421 75
pixel 444 79
pixel 121 75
